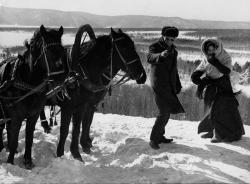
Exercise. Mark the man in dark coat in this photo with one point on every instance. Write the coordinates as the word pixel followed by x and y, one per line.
pixel 165 83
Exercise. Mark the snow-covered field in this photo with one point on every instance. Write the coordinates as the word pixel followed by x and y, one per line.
pixel 16 38
pixel 121 154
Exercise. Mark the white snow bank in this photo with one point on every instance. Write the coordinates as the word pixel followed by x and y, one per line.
pixel 121 154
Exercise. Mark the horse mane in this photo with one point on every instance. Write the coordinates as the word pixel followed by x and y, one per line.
pixel 91 47
pixel 120 33
pixel 33 46
pixel 124 35
pixel 27 50
pixel 103 38
pixel 36 40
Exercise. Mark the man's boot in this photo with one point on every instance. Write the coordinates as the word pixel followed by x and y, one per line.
pixel 165 140
pixel 154 145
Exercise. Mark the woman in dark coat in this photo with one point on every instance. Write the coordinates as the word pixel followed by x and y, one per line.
pixel 222 120
pixel 165 83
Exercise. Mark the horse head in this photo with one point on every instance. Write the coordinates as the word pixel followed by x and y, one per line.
pixel 130 62
pixel 46 51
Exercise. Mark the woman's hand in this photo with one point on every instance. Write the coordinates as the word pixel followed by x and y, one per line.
pixel 211 59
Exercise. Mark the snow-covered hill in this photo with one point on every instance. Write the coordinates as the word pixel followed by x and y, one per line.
pixel 35 17
pixel 121 154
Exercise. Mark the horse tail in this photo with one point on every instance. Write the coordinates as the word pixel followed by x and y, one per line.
pixel 76 46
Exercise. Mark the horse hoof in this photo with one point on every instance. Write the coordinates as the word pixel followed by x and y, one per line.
pixel 89 144
pixel 10 161
pixel 86 144
pixel 1 147
pixel 59 154
pixel 47 131
pixel 76 155
pixel 79 158
pixel 46 127
pixel 28 164
pixel 86 150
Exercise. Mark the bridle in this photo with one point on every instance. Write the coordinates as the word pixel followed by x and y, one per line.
pixel 126 64
pixel 81 74
pixel 125 78
pixel 44 48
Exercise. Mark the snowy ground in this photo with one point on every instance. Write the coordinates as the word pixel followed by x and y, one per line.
pixel 121 154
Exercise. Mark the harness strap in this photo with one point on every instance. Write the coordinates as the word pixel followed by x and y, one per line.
pixel 22 85
pixel 2 110
pixel 14 69
pixel 107 77
pixel 35 90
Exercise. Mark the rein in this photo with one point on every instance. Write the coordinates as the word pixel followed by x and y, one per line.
pixel 22 97
pixel 31 92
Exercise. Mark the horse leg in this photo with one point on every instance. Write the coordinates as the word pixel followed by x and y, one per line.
pixel 64 130
pixel 29 135
pixel 2 126
pixel 13 129
pixel 77 117
pixel 90 119
pixel 44 122
pixel 85 140
pixel 50 118
pixel 55 122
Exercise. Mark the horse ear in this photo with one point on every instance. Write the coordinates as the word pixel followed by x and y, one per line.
pixel 20 57
pixel 42 30
pixel 60 31
pixel 120 31
pixel 112 31
pixel 26 44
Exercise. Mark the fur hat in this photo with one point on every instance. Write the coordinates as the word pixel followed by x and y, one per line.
pixel 169 31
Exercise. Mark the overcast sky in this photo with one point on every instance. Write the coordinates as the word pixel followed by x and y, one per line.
pixel 228 10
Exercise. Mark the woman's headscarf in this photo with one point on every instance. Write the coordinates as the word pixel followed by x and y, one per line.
pixel 220 53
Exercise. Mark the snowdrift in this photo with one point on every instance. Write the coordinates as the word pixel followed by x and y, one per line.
pixel 121 154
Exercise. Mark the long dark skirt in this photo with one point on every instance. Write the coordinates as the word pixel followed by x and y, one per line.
pixel 223 116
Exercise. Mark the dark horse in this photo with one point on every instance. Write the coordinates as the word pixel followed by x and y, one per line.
pixel 32 74
pixel 97 66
